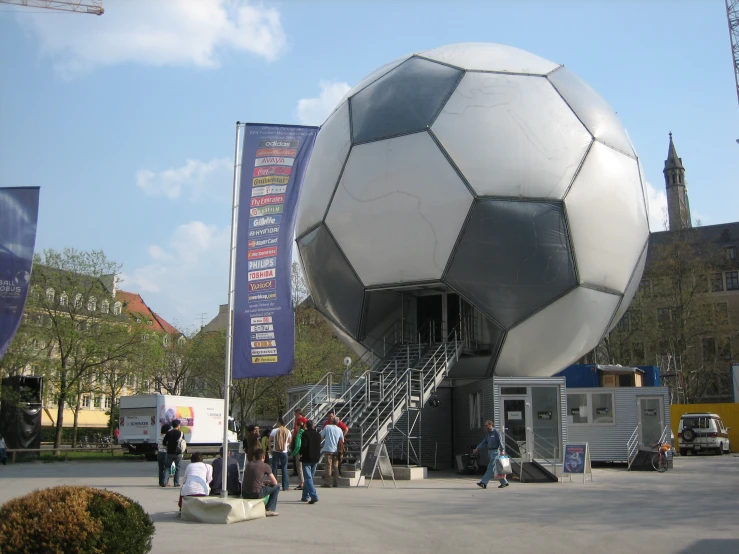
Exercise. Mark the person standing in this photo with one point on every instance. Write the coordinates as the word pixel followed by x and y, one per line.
pixel 3 450
pixel 310 453
pixel 494 443
pixel 162 455
pixel 116 434
pixel 264 443
pixel 331 435
pixel 280 439
pixel 174 450
pixel 233 486
pixel 296 452
pixel 253 487
pixel 299 423
pixel 251 442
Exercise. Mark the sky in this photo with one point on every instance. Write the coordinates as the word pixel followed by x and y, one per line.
pixel 127 120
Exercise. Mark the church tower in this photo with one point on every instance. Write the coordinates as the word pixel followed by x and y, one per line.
pixel 678 207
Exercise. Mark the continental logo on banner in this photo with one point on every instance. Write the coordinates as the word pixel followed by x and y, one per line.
pixel 278 143
pixel 264 351
pixel 262 263
pixel 267 200
pixel 263 152
pixel 266 319
pixel 271 180
pixel 274 160
pixel 272 170
pixel 270 189
pixel 265 210
pixel 263 359
pixel 262 297
pixel 262 242
pixel 262 253
pixel 263 343
pixel 262 275
pixel 264 232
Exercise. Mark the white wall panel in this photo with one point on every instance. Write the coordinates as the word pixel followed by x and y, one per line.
pixel 551 339
pixel 398 210
pixel 608 222
pixel 490 57
pixel 512 136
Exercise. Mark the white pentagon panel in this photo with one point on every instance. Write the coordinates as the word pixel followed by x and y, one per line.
pixel 329 154
pixel 398 210
pixel 607 218
pixel 631 289
pixel 592 109
pixel 512 136
pixel 484 56
pixel 551 339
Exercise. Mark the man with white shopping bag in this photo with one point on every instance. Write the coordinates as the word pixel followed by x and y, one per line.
pixel 496 449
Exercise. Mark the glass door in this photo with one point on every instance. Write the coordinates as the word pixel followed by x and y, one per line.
pixel 514 425
pixel 651 419
pixel 545 421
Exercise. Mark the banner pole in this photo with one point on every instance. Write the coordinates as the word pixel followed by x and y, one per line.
pixel 229 326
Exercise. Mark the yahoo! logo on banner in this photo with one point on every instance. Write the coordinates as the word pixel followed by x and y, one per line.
pixel 274 160
pixel 267 200
pixel 272 170
pixel 262 253
pixel 276 152
pixel 263 242
pixel 264 263
pixel 264 232
pixel 277 143
pixel 270 189
pixel 264 221
pixel 262 274
pixel 262 285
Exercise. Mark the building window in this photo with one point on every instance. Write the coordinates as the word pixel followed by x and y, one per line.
pixel 593 408
pixel 85 401
pixel 63 299
pixel 78 301
pixel 49 295
pixel 577 408
pixel 731 253
pixel 724 349
pixel 97 402
pixel 602 408
pixel 129 380
pixel 709 349
pixel 165 340
pixel 105 307
pixel 108 402
pixel 117 308
pixel 732 280
pixel 144 337
pixel 91 304
pixel 181 340
pixel 717 282
pixel 475 410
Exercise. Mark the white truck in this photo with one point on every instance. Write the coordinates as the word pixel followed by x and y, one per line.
pixel 201 419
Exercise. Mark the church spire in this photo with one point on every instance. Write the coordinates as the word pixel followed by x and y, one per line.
pixel 678 207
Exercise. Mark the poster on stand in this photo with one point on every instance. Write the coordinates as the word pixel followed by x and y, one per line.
pixel 18 218
pixel 576 460
pixel 273 162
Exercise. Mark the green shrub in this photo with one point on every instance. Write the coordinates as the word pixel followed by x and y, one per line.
pixel 74 520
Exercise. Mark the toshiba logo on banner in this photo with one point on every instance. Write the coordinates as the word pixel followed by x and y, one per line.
pixel 261 275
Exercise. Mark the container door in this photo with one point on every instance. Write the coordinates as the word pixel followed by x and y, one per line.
pixel 651 418
pixel 514 424
pixel 545 418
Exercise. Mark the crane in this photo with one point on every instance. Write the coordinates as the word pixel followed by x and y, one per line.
pixel 93 7
pixel 732 14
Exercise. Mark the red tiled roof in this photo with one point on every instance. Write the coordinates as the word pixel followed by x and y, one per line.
pixel 166 326
pixel 135 305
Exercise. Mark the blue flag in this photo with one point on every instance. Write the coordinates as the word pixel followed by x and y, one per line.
pixel 18 218
pixel 272 168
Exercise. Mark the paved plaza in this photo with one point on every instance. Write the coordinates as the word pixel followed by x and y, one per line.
pixel 693 508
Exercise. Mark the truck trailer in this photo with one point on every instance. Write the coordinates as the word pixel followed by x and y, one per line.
pixel 201 420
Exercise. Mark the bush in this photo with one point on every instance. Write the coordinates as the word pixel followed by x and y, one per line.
pixel 74 520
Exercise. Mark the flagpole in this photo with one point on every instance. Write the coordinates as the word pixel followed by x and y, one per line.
pixel 229 327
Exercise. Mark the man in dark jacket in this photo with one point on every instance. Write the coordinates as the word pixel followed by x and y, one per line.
pixel 310 453
pixel 234 487
pixel 171 441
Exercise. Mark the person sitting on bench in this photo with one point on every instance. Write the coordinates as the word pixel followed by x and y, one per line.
pixel 253 485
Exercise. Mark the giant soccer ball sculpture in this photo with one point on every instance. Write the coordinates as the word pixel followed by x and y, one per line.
pixel 485 171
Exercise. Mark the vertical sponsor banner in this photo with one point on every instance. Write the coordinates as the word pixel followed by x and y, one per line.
pixel 272 167
pixel 18 218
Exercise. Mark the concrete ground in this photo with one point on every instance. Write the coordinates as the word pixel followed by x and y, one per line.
pixel 693 508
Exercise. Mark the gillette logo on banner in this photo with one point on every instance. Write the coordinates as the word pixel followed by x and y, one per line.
pixel 274 160
pixel 262 253
pixel 276 152
pixel 262 296
pixel 259 328
pixel 262 275
pixel 262 336
pixel 262 242
pixel 267 200
pixel 263 263
pixel 267 319
pixel 272 170
pixel 264 351
pixel 263 232
pixel 265 210
pixel 278 143
pixel 270 189
pixel 264 221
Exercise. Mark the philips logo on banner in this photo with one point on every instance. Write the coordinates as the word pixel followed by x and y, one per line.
pixel 273 160
pixel 263 263
pixel 261 275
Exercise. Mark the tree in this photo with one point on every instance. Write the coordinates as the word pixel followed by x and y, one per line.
pixel 72 292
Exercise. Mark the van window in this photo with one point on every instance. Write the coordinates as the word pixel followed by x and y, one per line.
pixel 697 422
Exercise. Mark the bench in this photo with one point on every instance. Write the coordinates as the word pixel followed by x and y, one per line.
pixel 212 509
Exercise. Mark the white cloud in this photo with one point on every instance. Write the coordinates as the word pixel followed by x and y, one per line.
pixel 657 204
pixel 195 177
pixel 314 111
pixel 159 33
pixel 186 276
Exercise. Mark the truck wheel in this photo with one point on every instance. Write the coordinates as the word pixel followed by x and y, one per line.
pixel 688 435
pixel 150 457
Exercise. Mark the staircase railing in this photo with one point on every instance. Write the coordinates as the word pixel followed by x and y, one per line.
pixel 541 445
pixel 632 447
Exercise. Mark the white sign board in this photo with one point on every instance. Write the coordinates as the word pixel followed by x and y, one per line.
pixel 515 416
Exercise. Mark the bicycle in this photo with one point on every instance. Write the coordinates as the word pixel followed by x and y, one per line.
pixel 659 461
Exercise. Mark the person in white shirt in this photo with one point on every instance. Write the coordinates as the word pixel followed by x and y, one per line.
pixel 333 440
pixel 162 456
pixel 197 477
pixel 279 443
